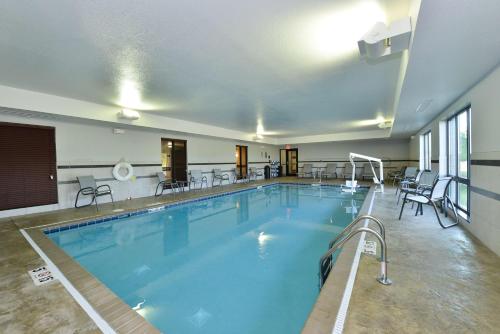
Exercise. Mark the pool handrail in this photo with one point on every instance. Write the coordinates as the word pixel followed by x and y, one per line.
pixel 382 279
pixel 353 223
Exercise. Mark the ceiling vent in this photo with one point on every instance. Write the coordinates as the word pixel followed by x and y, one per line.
pixel 381 40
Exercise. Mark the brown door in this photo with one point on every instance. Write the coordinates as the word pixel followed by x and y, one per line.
pixel 292 159
pixel 174 158
pixel 28 174
pixel 241 161
pixel 179 160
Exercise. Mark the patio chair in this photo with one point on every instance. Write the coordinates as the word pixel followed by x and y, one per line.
pixel 438 195
pixel 367 171
pixel 196 177
pixel 254 173
pixel 330 171
pixel 347 173
pixel 88 187
pixel 164 184
pixel 307 170
pixel 394 174
pixel 219 176
pixel 409 175
pixel 236 178
pixel 422 184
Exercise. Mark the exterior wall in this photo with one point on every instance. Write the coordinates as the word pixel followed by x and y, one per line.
pixel 485 149
pixel 394 153
pixel 92 148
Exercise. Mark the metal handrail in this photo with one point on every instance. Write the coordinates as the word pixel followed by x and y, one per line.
pixel 353 223
pixel 383 279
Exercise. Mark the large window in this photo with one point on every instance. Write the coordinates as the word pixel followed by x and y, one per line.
pixel 425 151
pixel 458 129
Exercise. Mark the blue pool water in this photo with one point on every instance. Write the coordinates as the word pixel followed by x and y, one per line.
pixel 241 263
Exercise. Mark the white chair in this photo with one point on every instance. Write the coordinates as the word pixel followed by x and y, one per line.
pixel 196 177
pixel 437 195
pixel 88 187
pixel 254 173
pixel 330 171
pixel 307 170
pixel 219 176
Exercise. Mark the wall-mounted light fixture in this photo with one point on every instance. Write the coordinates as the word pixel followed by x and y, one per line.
pixel 129 114
pixel 382 40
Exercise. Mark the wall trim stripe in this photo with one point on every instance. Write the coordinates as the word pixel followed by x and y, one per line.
pixel 494 163
pixel 104 166
pixel 485 193
pixel 396 160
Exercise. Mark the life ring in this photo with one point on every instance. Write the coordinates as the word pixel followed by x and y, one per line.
pixel 118 167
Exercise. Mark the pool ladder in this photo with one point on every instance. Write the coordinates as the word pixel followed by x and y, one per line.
pixel 326 262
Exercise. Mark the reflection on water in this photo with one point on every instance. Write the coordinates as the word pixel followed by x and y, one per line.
pixel 219 265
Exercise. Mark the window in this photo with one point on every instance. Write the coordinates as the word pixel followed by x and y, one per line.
pixel 458 134
pixel 425 151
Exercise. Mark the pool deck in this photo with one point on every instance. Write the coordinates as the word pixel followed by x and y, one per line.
pixel 444 280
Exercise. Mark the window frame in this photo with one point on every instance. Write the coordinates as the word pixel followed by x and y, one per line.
pixel 457 180
pixel 427 150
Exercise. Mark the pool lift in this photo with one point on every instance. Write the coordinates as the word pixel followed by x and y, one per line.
pixel 352 184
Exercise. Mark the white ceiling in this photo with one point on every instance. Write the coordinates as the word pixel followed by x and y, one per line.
pixel 456 43
pixel 222 62
pixel 234 64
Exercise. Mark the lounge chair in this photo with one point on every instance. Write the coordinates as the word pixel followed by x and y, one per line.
pixel 219 176
pixel 253 173
pixel 409 174
pixel 235 179
pixel 307 170
pixel 394 174
pixel 330 171
pixel 367 171
pixel 164 184
pixel 347 173
pixel 196 177
pixel 438 195
pixel 422 184
pixel 88 187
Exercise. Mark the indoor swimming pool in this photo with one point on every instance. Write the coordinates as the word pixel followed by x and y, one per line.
pixel 244 262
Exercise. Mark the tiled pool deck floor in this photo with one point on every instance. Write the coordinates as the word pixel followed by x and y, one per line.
pixel 444 280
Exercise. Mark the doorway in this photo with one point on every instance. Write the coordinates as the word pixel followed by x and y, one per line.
pixel 241 155
pixel 28 171
pixel 289 159
pixel 174 158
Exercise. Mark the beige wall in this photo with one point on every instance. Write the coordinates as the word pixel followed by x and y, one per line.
pixel 93 143
pixel 394 152
pixel 485 145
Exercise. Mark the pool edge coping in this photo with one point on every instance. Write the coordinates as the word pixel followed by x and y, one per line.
pixel 86 284
pixel 326 315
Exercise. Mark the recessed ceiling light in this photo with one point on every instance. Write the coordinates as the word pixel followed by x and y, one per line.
pixel 424 105
pixel 385 124
pixel 129 114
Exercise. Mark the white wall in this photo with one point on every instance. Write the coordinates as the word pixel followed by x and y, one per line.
pixel 485 145
pixel 93 143
pixel 320 153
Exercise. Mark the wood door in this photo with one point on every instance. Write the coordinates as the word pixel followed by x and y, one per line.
pixel 292 161
pixel 241 161
pixel 179 160
pixel 28 171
